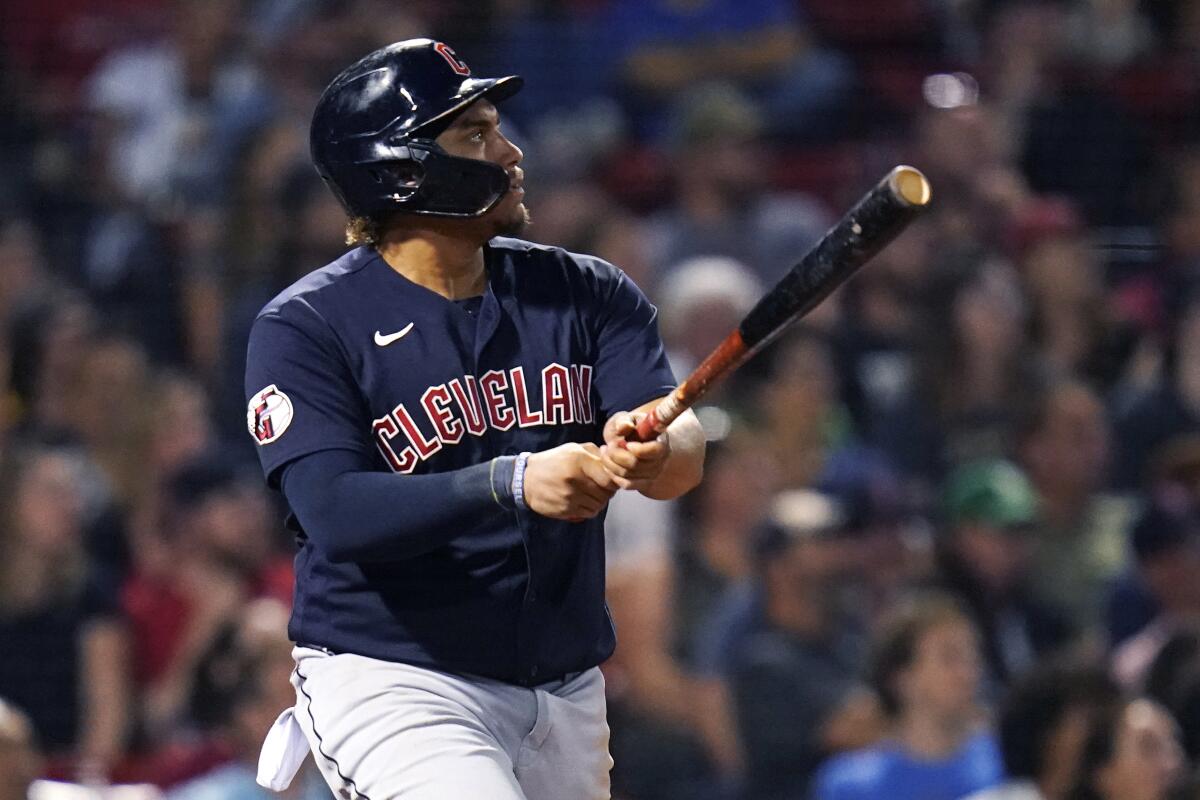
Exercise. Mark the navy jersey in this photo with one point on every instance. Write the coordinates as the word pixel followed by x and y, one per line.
pixel 356 357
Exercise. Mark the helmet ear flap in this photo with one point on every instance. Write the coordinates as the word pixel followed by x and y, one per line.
pixel 404 177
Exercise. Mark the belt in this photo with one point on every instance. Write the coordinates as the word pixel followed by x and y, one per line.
pixel 554 682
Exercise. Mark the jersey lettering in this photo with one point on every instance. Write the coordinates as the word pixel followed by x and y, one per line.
pixel 581 392
pixel 556 395
pixel 506 401
pixel 436 402
pixel 469 403
pixel 425 447
pixel 500 414
pixel 525 417
pixel 386 429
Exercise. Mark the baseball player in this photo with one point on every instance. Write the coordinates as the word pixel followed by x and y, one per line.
pixel 447 413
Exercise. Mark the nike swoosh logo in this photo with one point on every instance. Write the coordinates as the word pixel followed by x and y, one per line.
pixel 384 341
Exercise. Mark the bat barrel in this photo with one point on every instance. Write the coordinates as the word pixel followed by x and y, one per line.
pixel 865 230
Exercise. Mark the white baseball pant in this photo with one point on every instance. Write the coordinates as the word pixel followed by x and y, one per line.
pixel 379 730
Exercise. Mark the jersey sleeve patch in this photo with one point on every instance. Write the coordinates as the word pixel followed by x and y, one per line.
pixel 268 414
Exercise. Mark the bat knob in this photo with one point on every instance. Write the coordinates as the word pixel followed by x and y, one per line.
pixel 910 185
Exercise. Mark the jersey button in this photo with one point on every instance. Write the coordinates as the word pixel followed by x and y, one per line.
pixel 533 671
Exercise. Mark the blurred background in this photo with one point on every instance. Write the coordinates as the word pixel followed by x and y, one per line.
pixel 949 536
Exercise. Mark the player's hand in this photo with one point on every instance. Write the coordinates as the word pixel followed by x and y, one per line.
pixel 568 482
pixel 633 465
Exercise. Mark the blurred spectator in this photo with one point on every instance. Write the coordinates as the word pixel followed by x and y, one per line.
pixel 1188 789
pixel 54 45
pixel 1175 466
pixel 176 110
pixel 49 340
pixel 665 47
pixel 701 300
pixel 108 413
pixel 1058 162
pixel 562 43
pixel 966 149
pixel 714 550
pixel 259 668
pixel 1174 681
pixel 882 553
pixel 798 406
pixel 216 552
pixel 712 561
pixel 879 332
pixel 1166 547
pixel 1108 33
pixel 890 542
pixel 1133 753
pixel 182 430
pixel 20 761
pixel 973 371
pixel 927 670
pixel 723 203
pixel 795 672
pixel 655 708
pixel 22 266
pixel 984 557
pixel 60 624
pixel 1044 723
pixel 1072 327
pixel 1181 236
pixel 1080 538
pixel 1146 421
pixel 130 272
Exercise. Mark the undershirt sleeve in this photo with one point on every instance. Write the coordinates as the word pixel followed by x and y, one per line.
pixel 354 513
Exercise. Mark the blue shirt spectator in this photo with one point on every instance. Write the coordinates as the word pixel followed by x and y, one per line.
pixel 926 669
pixel 889 772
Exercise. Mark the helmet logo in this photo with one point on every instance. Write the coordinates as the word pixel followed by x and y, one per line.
pixel 456 63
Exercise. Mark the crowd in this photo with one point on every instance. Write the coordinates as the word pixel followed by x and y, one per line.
pixel 948 540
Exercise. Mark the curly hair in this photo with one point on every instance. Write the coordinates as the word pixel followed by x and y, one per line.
pixel 364 231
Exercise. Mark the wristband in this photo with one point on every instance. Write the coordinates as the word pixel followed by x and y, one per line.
pixel 518 481
pixel 500 476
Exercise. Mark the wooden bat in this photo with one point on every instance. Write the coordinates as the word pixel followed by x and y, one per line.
pixel 875 220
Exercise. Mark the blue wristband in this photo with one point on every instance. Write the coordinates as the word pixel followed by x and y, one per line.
pixel 518 481
pixel 500 476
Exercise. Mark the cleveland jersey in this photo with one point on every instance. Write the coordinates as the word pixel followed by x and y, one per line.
pixel 354 356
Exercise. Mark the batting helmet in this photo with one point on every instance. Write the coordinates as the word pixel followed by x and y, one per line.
pixel 373 131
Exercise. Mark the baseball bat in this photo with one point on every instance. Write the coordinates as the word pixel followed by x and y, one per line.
pixel 876 219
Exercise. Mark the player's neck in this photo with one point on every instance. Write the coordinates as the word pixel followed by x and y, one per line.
pixel 450 265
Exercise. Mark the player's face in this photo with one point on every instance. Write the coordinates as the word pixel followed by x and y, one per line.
pixel 476 134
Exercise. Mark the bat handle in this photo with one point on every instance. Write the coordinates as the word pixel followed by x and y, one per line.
pixel 647 427
pixel 660 417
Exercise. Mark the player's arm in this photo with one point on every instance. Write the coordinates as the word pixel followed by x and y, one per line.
pixel 356 513
pixel 663 468
pixel 631 365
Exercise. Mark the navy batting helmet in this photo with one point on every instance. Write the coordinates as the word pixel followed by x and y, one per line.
pixel 373 131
